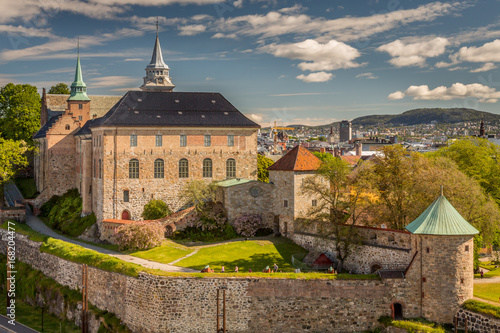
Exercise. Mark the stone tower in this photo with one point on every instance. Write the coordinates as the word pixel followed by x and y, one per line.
pixel 445 244
pixel 157 72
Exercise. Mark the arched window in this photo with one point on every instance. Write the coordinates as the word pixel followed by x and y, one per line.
pixel 231 168
pixel 183 168
pixel 207 168
pixel 67 127
pixel 133 168
pixel 159 168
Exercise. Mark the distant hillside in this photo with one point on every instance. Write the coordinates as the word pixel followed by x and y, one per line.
pixel 426 116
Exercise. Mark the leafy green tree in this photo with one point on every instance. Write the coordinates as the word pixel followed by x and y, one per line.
pixel 325 157
pixel 198 192
pixel 155 209
pixel 262 164
pixel 477 158
pixel 19 112
pixel 394 181
pixel 341 200
pixel 60 88
pixel 12 157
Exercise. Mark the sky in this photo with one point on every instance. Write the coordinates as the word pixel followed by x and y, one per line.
pixel 294 62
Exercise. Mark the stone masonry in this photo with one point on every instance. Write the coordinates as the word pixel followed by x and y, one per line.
pixel 477 322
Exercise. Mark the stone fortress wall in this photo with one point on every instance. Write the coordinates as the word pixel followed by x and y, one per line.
pixel 151 303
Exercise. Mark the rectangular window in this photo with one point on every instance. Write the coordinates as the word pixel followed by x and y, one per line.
pixel 183 140
pixel 125 196
pixel 100 168
pixel 159 140
pixel 466 248
pixel 424 279
pixel 230 140
pixel 285 203
pixel 208 140
pixel 133 140
pixel 428 250
pixel 80 118
pixel 314 203
pixel 80 106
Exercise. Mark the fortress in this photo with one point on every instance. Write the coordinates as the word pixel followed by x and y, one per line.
pixel 121 153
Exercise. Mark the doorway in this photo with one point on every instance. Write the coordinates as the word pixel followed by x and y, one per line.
pixel 397 311
pixel 125 215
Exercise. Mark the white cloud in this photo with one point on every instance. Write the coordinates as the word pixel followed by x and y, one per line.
pixel 133 59
pixel 458 90
pixel 396 95
pixel 318 57
pixel 209 78
pixel 221 35
pixel 112 81
pixel 256 117
pixel 52 49
pixel 486 67
pixel 297 8
pixel 414 54
pixel 26 32
pixel 343 29
pixel 192 30
pixel 316 77
pixel 489 52
pixel 366 76
pixel 238 3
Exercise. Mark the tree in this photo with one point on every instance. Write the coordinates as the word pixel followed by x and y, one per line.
pixel 12 157
pixel 393 178
pixel 325 157
pixel 340 199
pixel 60 88
pixel 155 209
pixel 477 158
pixel 19 112
pixel 262 164
pixel 199 193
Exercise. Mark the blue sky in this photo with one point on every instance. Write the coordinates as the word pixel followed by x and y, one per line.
pixel 307 62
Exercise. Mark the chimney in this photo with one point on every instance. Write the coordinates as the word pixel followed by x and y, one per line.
pixel 336 152
pixel 44 115
pixel 359 149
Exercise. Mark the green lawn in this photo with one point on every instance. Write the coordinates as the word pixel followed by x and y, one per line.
pixel 166 253
pixel 254 254
pixel 489 265
pixel 27 187
pixel 488 291
pixel 32 317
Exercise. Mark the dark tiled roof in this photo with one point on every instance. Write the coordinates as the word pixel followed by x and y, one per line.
pixel 178 109
pixel 297 159
pixel 391 274
pixel 42 132
pixel 86 128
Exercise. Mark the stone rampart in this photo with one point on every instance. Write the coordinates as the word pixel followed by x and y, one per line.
pixel 364 259
pixel 477 322
pixel 152 303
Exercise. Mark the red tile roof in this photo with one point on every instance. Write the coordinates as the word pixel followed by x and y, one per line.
pixel 351 159
pixel 297 159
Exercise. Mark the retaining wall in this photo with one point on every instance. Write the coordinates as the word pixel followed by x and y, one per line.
pixel 477 322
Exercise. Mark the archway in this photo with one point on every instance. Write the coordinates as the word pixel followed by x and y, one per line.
pixel 397 311
pixel 375 268
pixel 125 215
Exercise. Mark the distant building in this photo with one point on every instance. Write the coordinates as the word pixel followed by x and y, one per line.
pixel 345 131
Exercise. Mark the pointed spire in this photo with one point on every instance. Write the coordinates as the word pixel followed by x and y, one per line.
pixel 78 87
pixel 157 57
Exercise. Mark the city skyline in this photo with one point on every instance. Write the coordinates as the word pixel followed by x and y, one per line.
pixel 293 62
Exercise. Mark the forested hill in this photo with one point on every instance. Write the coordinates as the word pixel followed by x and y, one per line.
pixel 426 116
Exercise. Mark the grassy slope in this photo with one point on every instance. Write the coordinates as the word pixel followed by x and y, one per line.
pixel 481 307
pixel 166 253
pixel 488 291
pixel 246 254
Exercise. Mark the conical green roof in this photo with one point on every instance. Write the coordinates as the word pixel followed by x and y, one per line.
pixel 78 87
pixel 441 218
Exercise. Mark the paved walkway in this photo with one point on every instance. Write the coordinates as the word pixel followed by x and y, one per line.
pixel 486 301
pixel 36 224
pixel 17 328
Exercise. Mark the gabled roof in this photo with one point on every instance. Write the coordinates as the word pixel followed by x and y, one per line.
pixel 351 159
pixel 441 218
pixel 42 132
pixel 297 159
pixel 174 109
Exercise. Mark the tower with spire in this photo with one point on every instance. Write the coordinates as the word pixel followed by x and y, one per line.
pixel 78 101
pixel 157 72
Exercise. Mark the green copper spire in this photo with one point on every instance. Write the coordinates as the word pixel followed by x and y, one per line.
pixel 78 87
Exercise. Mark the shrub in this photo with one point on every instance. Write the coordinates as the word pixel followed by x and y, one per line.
pixel 139 235
pixel 155 209
pixel 247 224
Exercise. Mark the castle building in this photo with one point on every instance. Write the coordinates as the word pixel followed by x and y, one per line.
pixel 148 145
